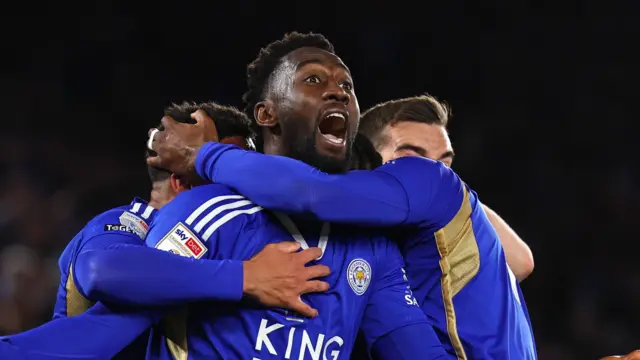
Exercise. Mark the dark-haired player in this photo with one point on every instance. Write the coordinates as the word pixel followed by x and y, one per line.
pixel 307 109
pixel 454 258
pixel 302 99
pixel 417 126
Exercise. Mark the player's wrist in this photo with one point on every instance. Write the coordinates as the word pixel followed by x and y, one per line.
pixel 203 160
pixel 248 286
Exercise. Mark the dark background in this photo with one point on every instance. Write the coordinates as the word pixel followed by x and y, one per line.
pixel 542 96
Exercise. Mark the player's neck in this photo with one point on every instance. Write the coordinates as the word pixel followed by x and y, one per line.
pixel 272 147
pixel 155 202
pixel 160 195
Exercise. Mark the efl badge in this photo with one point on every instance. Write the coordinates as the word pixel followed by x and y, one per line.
pixel 134 223
pixel 181 241
pixel 359 275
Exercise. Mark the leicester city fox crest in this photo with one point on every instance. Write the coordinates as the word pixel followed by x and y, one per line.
pixel 359 275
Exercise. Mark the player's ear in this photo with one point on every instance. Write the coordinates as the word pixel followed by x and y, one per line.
pixel 264 114
pixel 178 184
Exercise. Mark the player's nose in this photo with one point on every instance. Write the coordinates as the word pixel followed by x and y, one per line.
pixel 336 93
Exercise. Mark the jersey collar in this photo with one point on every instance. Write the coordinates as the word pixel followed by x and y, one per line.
pixel 142 209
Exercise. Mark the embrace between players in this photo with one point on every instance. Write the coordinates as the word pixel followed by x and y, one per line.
pixel 402 253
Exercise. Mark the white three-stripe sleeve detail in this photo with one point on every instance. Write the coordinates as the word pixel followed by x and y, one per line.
pixel 136 207
pixel 147 212
pixel 194 215
pixel 226 218
pixel 215 212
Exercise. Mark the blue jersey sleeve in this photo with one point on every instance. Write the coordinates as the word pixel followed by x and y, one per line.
pixel 115 267
pixel 72 298
pixel 406 191
pixel 99 333
pixel 103 235
pixel 416 341
pixel 392 305
pixel 10 351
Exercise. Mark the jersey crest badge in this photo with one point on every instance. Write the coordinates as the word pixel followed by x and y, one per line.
pixel 134 223
pixel 181 241
pixel 359 275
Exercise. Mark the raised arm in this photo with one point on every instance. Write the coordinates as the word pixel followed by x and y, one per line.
pixel 406 191
pixel 288 185
pixel 374 198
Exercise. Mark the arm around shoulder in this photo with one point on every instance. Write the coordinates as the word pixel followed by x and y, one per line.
pixel 518 254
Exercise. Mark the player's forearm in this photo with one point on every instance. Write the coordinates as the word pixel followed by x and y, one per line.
pixel 288 185
pixel 99 333
pixel 137 275
pixel 10 351
pixel 518 254
pixel 416 341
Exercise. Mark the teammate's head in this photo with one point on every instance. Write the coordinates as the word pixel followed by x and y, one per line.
pixel 232 125
pixel 365 156
pixel 300 95
pixel 414 126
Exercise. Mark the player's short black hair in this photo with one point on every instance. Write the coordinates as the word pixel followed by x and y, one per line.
pixel 424 109
pixel 364 155
pixel 260 69
pixel 229 122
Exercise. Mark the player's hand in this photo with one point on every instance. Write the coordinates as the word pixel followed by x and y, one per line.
pixel 177 145
pixel 277 276
pixel 634 355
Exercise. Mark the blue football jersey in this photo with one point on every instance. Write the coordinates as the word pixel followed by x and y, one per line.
pixel 367 284
pixel 132 221
pixel 457 266
pixel 454 258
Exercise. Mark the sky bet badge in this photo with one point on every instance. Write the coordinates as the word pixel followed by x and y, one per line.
pixel 181 241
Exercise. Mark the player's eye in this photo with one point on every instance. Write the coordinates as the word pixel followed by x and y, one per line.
pixel 346 85
pixel 313 79
pixel 407 152
pixel 411 153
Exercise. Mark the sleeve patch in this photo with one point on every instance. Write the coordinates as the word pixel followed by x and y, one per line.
pixel 181 241
pixel 118 227
pixel 136 224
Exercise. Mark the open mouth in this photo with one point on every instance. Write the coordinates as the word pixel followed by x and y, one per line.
pixel 333 127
